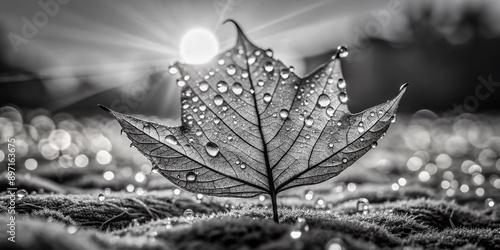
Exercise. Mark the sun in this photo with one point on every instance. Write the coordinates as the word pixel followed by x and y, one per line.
pixel 198 46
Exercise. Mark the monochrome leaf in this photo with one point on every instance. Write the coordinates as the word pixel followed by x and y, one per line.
pixel 251 126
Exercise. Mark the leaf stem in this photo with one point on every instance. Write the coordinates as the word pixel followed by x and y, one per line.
pixel 275 207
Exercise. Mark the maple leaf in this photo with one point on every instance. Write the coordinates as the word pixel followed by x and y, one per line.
pixel 251 126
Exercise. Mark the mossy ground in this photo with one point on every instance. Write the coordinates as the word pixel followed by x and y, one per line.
pixel 410 218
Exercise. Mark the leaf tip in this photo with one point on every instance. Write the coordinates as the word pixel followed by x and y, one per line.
pixel 403 87
pixel 241 35
pixel 104 108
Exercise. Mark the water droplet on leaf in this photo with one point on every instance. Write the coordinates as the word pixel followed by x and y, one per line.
pixel 323 100
pixel 203 86
pixel 212 149
pixel 342 50
pixel 231 69
pixel 181 83
pixel 309 121
pixel 284 73
pixel 173 70
pixel 171 139
pixel 268 67
pixel 341 83
pixel 218 100
pixel 343 97
pixel 191 177
pixel 284 114
pixel 237 88
pixel 222 86
pixel 267 97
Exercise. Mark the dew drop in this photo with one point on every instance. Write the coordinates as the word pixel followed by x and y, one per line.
pixel 343 97
pixel 323 100
pixel 260 82
pixel 363 205
pixel 372 114
pixel 309 121
pixel 188 214
pixel 336 244
pixel 231 69
pixel 181 83
pixel 212 149
pixel 329 80
pixel 284 114
pixel 330 145
pixel 173 70
pixel 267 98
pixel 344 160
pixel 237 88
pixel 269 52
pixel 284 73
pixel 341 83
pixel 374 144
pixel 361 127
pixel 222 86
pixel 21 193
pixel 101 197
pixel 203 86
pixel 71 229
pixel 330 111
pixel 268 67
pixel 393 118
pixel 309 195
pixel 171 139
pixel 251 60
pixel 218 100
pixel 191 177
pixel 243 166
pixel 342 50
pixel 221 61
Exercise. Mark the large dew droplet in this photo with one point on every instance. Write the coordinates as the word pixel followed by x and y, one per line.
pixel 309 121
pixel 341 83
pixel 342 50
pixel 260 82
pixel 268 67
pixel 218 100
pixel 188 214
pixel 323 100
pixel 171 139
pixel 237 88
pixel 173 70
pixel 203 86
pixel 181 83
pixel 222 86
pixel 284 114
pixel 21 193
pixel 267 97
pixel 284 73
pixel 361 127
pixel 343 97
pixel 191 177
pixel 330 111
pixel 212 149
pixel 363 205
pixel 231 69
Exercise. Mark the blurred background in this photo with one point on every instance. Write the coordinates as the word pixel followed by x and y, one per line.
pixel 58 59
